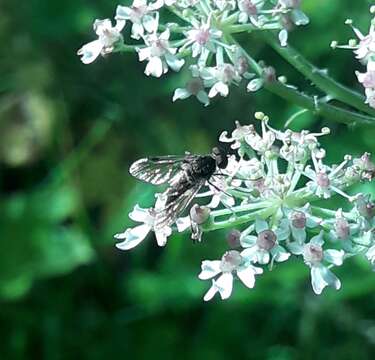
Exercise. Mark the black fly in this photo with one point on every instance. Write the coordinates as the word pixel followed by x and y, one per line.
pixel 185 175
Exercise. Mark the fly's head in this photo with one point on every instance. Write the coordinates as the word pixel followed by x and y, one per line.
pixel 221 157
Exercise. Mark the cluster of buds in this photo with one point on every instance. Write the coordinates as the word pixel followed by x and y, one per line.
pixel 364 50
pixel 200 37
pixel 265 199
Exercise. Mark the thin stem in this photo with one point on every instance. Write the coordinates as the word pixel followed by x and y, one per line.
pixel 238 220
pixel 320 78
pixel 316 106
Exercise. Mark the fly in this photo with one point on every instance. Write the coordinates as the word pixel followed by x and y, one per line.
pixel 185 176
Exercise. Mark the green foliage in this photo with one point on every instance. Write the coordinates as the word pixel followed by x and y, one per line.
pixel 67 136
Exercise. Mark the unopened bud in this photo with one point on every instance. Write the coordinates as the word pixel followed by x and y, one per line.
pixel 266 240
pixel 199 214
pixel 233 238
pixel 298 219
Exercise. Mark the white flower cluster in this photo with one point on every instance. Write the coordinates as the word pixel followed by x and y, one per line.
pixel 265 198
pixel 203 35
pixel 364 50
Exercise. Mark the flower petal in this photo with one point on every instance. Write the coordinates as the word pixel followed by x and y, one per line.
pixel 335 257
pixel 225 285
pixel 133 237
pixel 247 275
pixel 210 268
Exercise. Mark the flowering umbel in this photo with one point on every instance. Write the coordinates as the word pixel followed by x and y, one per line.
pixel 265 198
pixel 200 36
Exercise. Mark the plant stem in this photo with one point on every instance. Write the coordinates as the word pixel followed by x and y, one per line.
pixel 319 78
pixel 316 106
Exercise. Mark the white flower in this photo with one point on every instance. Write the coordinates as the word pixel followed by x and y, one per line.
pixel 313 255
pixel 218 188
pixel 264 246
pixel 231 263
pixel 202 39
pixel 238 135
pixel 133 236
pixel 143 16
pixel 194 87
pixel 248 10
pixel 108 36
pixel 366 46
pixel 219 78
pixel 159 54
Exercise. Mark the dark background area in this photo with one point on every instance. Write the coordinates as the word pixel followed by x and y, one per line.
pixel 68 133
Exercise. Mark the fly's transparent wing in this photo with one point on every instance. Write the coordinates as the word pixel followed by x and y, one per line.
pixel 158 170
pixel 170 212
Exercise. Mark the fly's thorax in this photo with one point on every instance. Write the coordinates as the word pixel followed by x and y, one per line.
pixel 202 168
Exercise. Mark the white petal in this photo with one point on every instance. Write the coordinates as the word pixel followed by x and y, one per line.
pixel 133 237
pixel 173 62
pixel 250 253
pixel 283 37
pixel 321 277
pixel 211 292
pixel 141 215
pixel 180 93
pixel 120 24
pixel 183 223
pixel 248 241
pixel 203 98
pixel 150 23
pixel 209 269
pixel 260 225
pixel 247 275
pixel 263 256
pixel 295 248
pixel 335 257
pixel 279 253
pixel 318 239
pixel 90 51
pixel 137 31
pixel 123 12
pixel 162 235
pixel 143 54
pixel 225 284
pixel 154 67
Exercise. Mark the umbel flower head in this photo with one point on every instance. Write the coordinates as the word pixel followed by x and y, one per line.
pixel 266 198
pixel 200 36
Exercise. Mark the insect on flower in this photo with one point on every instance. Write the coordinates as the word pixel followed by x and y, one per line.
pixel 185 175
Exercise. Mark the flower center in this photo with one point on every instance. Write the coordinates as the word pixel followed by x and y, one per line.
pixel 322 180
pixel 313 254
pixel 266 240
pixel 194 86
pixel 202 36
pixel 230 261
pixel 298 219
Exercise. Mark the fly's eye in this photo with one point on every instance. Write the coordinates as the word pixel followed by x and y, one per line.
pixel 216 151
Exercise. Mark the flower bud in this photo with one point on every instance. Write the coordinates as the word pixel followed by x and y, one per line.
pixel 199 214
pixel 322 180
pixel 266 240
pixel 298 219
pixel 233 238
pixel 230 261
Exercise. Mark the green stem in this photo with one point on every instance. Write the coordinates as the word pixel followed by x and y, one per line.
pixel 319 78
pixel 316 106
pixel 238 220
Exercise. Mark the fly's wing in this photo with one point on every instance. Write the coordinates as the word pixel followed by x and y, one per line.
pixel 170 212
pixel 158 170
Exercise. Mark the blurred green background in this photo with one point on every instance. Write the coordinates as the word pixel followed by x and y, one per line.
pixel 68 133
